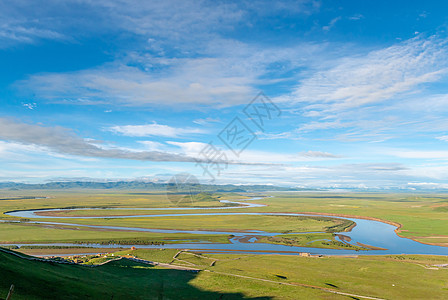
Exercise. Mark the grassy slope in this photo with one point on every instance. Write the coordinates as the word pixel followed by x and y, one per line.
pixel 124 280
pixel 402 277
pixel 365 276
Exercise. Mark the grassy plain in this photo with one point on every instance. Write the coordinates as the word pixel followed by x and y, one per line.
pixel 281 224
pixel 402 276
pixel 423 217
pixel 33 233
pixel 315 240
pixel 29 233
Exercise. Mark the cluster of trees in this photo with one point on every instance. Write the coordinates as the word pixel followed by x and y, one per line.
pixel 344 225
pixel 123 242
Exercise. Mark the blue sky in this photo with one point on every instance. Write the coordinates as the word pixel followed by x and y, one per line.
pixel 137 90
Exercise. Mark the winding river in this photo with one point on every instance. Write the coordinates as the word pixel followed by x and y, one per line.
pixel 369 232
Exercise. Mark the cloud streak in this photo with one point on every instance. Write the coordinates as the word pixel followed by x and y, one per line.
pixel 154 130
pixel 318 154
pixel 65 141
pixel 375 77
pixel 184 81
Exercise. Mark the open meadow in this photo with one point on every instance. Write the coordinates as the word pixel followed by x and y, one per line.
pixel 420 217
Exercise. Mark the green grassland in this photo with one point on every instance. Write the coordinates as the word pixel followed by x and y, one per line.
pixel 315 240
pixel 30 233
pixel 24 233
pixel 402 276
pixel 229 276
pixel 371 276
pixel 159 255
pixel 14 200
pixel 223 222
pixel 420 215
pixel 423 217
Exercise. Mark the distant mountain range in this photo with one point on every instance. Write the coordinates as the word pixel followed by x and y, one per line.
pixel 141 185
pixel 150 186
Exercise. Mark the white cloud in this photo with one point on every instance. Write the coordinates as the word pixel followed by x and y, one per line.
pixel 381 175
pixel 318 154
pixel 12 34
pixel 189 148
pixel 153 146
pixel 331 24
pixel 249 156
pixel 443 138
pixel 201 81
pixel 30 21
pixel 378 76
pixel 377 96
pixel 154 130
pixel 419 154
pixel 64 141
pixel 224 73
pixel 315 125
pixel 356 17
pixel 30 106
pixel 206 121
pixel 167 25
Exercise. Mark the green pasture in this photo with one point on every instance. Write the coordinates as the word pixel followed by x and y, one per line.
pixel 281 224
pixel 423 217
pixel 29 233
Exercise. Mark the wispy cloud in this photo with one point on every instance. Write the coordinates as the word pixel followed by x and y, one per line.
pixel 374 96
pixel 153 146
pixel 381 175
pixel 160 24
pixel 66 142
pixel 252 157
pixel 199 81
pixel 221 77
pixel 443 138
pixel 181 53
pixel 331 24
pixel 62 140
pixel 356 17
pixel 19 34
pixel 420 154
pixel 30 106
pixel 28 22
pixel 154 130
pixel 318 154
pixel 206 121
pixel 378 76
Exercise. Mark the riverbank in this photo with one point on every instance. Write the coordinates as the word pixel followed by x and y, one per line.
pixel 396 224
pixel 256 222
